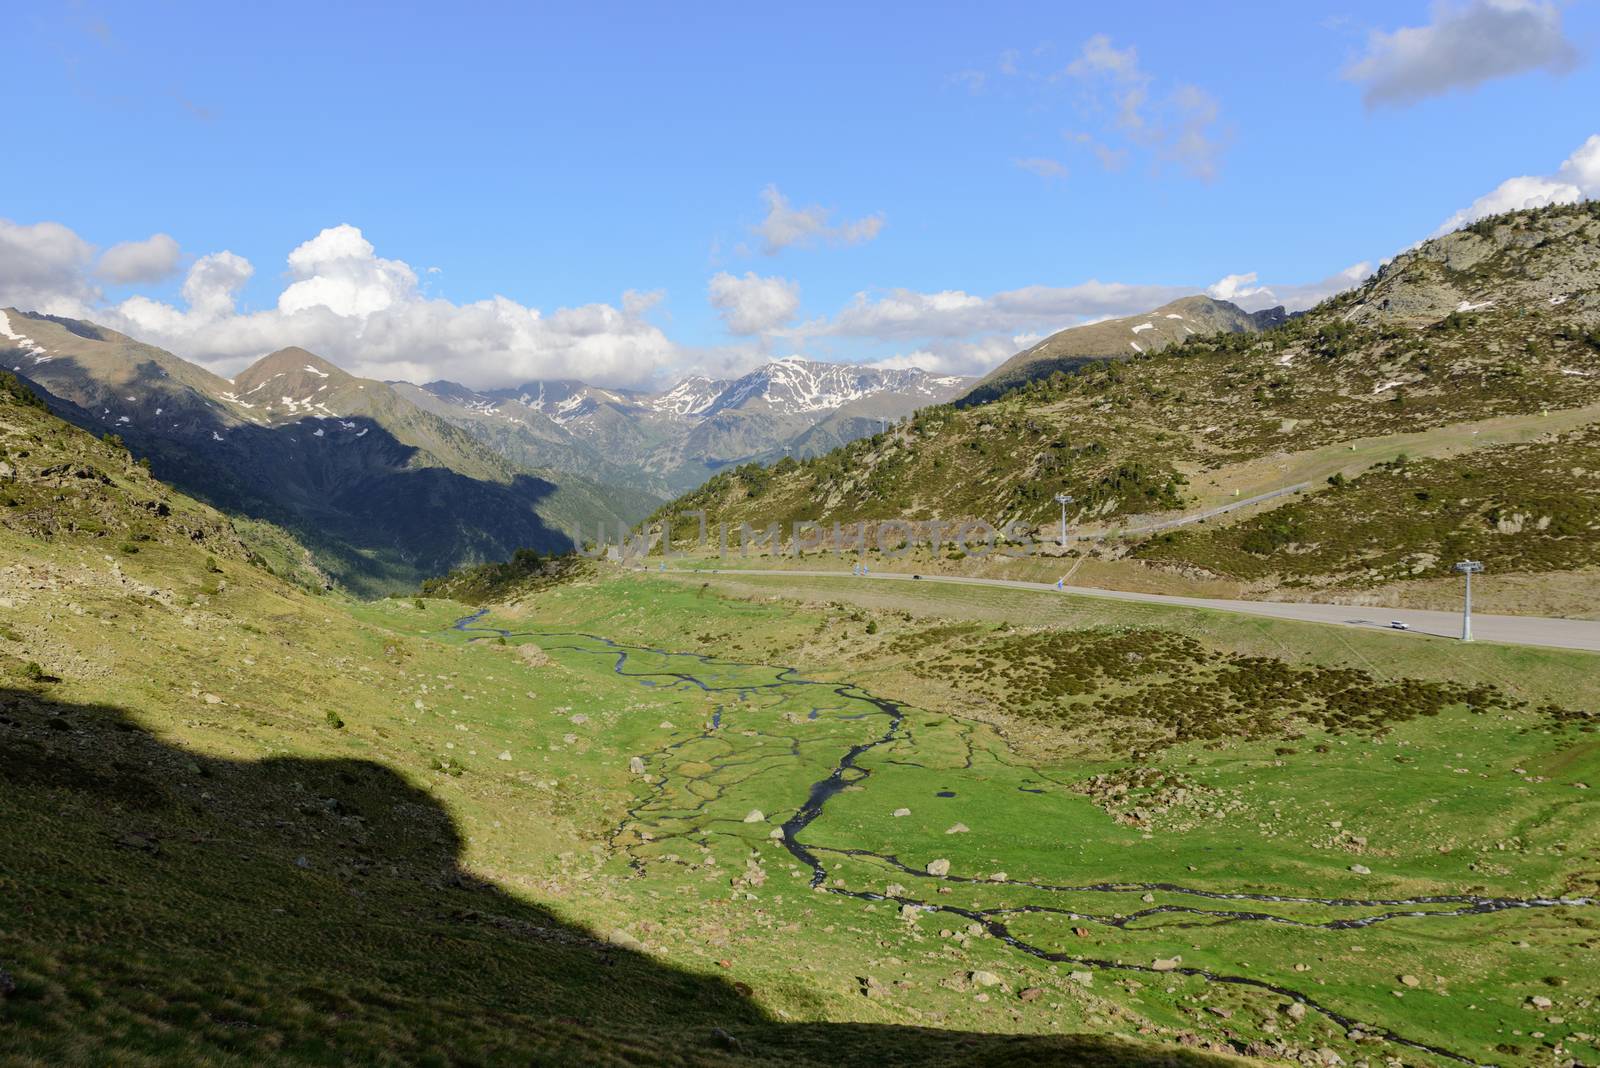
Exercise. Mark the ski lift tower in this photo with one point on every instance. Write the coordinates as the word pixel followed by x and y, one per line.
pixel 1468 568
pixel 1063 499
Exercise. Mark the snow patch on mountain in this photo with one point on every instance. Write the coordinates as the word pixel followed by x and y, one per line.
pixel 25 343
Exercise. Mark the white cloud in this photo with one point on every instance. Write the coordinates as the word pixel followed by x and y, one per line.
pixel 1236 287
pixel 368 314
pixel 786 225
pixel 952 313
pixel 1465 45
pixel 1042 166
pixel 149 260
pixel 42 269
pixel 1578 178
pixel 1243 290
pixel 974 358
pixel 963 333
pixel 753 304
pixel 339 270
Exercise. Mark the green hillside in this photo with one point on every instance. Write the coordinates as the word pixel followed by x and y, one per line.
pixel 1500 320
pixel 242 824
pixel 382 492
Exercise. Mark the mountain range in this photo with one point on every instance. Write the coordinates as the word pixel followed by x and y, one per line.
pixel 381 492
pixel 383 484
pixel 669 442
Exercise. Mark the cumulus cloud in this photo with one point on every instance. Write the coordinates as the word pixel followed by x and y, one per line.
pixel 369 315
pixel 753 304
pixel 785 225
pixel 973 358
pixel 1578 178
pixel 905 313
pixel 1244 290
pixel 1236 287
pixel 955 332
pixel 42 269
pixel 149 260
pixel 1465 45
pixel 339 270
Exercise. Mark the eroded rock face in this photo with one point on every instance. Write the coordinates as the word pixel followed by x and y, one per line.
pixel 1522 260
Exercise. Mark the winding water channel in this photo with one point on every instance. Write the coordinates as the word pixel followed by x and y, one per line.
pixel 721 676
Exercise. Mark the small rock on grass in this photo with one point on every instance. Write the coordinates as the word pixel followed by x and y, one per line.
pixel 636 765
pixel 957 828
pixel 1361 869
pixel 1030 993
pixel 985 979
pixel 940 867
pixel 902 812
pixel 755 816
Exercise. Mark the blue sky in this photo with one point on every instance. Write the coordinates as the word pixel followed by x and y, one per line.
pixel 869 184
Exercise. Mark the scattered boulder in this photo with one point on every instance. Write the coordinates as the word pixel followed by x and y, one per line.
pixel 777 832
pixel 940 867
pixel 754 816
pixel 726 1041
pixel 1539 1001
pixel 1166 964
pixel 1296 1010
pixel 1410 980
pixel 636 765
pixel 531 655
pixel 902 812
pixel 1030 993
pixel 1082 978
pixel 984 979
pixel 1361 869
pixel 869 987
pixel 957 828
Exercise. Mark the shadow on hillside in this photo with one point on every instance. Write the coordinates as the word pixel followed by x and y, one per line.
pixel 337 484
pixel 163 904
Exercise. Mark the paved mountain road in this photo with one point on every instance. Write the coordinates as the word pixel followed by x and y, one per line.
pixel 1515 630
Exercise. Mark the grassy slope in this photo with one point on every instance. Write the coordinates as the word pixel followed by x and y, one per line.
pixel 1451 802
pixel 1530 508
pixel 242 825
pixel 1385 369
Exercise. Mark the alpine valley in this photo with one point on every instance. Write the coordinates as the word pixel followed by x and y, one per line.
pixel 378 485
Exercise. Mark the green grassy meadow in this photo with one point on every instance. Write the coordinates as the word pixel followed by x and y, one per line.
pixel 246 825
